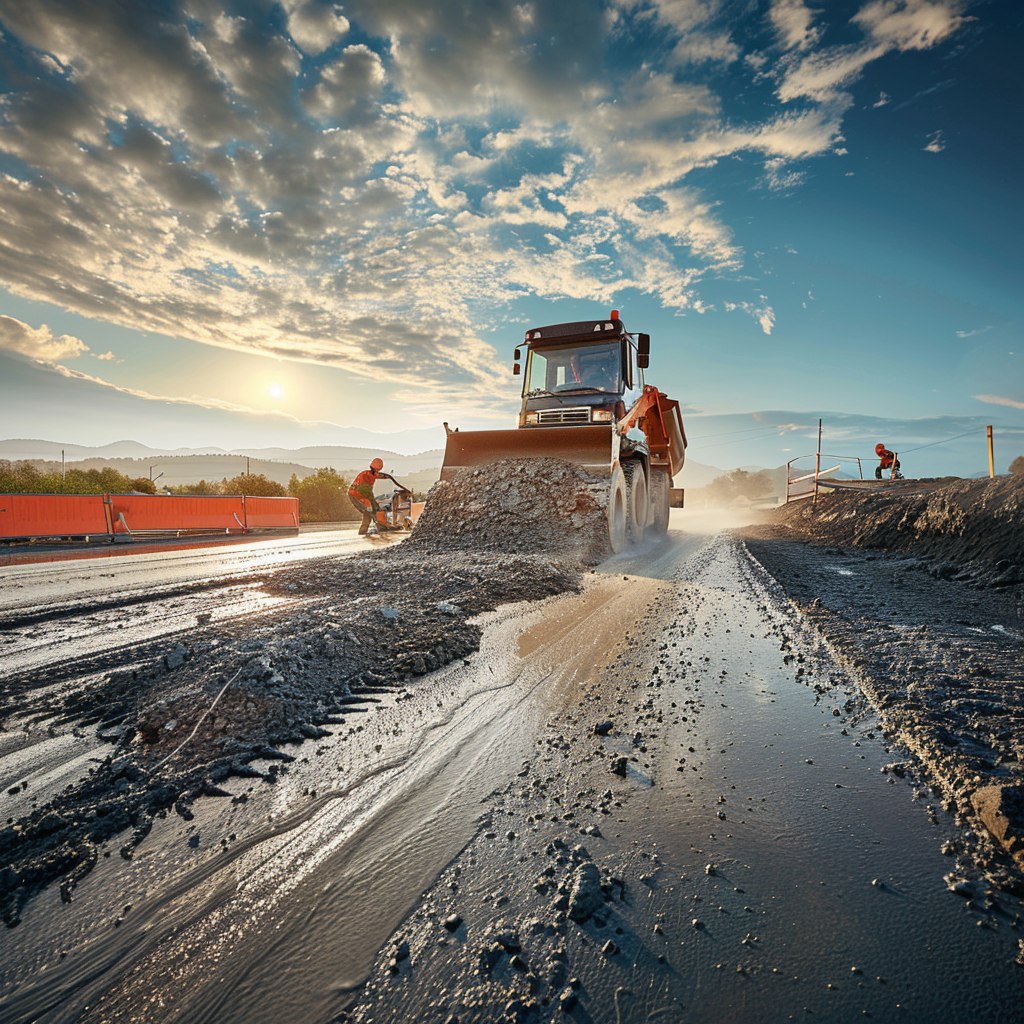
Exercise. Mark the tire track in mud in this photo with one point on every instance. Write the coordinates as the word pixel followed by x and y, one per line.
pixel 111 638
pixel 32 616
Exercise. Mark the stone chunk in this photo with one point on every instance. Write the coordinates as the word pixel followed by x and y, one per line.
pixel 586 895
pixel 1001 809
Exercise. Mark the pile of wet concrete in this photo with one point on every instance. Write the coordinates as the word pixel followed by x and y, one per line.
pixel 230 699
pixel 513 506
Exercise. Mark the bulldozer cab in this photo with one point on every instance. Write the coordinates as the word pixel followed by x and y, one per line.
pixel 578 373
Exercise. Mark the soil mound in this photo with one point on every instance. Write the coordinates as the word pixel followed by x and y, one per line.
pixel 517 506
pixel 964 521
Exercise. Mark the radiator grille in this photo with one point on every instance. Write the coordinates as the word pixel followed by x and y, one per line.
pixel 578 414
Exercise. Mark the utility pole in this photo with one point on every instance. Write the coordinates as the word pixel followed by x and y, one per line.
pixel 247 465
pixel 991 454
pixel 817 467
pixel 62 461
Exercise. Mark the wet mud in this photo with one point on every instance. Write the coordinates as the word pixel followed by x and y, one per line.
pixel 184 718
pixel 707 832
pixel 921 595
pixel 462 778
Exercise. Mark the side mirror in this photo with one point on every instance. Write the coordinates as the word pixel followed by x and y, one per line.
pixel 516 368
pixel 643 351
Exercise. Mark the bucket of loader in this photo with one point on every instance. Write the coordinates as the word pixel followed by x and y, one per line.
pixel 590 447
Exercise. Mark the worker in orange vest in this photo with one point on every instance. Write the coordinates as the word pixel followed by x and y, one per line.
pixel 361 496
pixel 886 459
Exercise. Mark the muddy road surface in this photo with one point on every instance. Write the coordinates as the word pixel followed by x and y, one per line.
pixel 658 793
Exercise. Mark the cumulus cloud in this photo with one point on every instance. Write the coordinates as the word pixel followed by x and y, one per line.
pixel 793 21
pixel 39 343
pixel 315 26
pixel 354 80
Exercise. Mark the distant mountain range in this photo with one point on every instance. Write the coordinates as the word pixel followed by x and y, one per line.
pixel 182 466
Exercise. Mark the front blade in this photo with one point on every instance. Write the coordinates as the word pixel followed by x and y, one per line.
pixel 588 446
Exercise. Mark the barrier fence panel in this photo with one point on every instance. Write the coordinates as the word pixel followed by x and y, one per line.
pixel 271 513
pixel 23 516
pixel 141 513
pixel 28 516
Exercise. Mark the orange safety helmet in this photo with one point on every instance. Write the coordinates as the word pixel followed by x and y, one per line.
pixel 377 465
pixel 879 448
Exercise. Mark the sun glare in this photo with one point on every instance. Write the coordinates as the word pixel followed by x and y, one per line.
pixel 275 390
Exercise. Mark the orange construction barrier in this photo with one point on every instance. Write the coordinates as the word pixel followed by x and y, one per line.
pixel 169 513
pixel 23 516
pixel 271 513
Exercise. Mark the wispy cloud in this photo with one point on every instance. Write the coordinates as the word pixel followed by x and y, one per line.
pixel 888 25
pixel 936 142
pixel 762 313
pixel 793 20
pixel 974 332
pixel 1012 403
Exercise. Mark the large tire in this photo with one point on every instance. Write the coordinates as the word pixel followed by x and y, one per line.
pixel 661 483
pixel 636 501
pixel 617 535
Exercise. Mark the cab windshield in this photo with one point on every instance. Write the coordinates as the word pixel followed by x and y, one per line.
pixel 560 369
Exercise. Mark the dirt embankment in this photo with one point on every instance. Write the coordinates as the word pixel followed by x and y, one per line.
pixel 920 591
pixel 224 702
pixel 970 529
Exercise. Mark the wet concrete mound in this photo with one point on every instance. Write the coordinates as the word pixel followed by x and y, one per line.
pixel 517 506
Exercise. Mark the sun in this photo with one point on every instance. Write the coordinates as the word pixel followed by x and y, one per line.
pixel 275 390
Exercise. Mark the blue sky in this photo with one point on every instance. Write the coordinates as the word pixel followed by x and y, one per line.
pixel 263 223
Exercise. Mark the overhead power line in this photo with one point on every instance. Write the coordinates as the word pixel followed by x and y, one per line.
pixel 946 440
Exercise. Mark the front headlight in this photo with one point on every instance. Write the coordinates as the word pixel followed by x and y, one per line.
pixel 531 419
pixel 600 415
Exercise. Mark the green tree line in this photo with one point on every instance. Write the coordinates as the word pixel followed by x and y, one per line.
pixel 323 495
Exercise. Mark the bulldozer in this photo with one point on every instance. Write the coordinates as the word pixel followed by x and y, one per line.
pixel 584 400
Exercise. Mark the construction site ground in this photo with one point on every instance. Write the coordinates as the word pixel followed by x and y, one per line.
pixel 483 775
